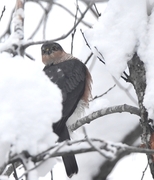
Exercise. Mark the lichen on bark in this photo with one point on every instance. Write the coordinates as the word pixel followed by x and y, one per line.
pixel 138 79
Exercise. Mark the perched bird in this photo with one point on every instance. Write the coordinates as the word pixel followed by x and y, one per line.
pixel 74 80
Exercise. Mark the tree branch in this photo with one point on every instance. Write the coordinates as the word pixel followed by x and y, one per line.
pixel 13 43
pixel 104 93
pixel 8 29
pixel 104 112
pixel 138 79
pixel 82 146
pixel 107 166
pixel 67 10
pixel 2 13
pixel 62 37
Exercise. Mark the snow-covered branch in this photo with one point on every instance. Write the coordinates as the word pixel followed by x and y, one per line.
pixel 14 42
pixel 109 149
pixel 18 19
pixel 104 112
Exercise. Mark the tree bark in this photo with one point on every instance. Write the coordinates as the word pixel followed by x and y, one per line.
pixel 138 79
pixel 108 166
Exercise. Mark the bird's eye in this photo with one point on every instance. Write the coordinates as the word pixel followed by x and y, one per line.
pixel 54 48
pixel 46 51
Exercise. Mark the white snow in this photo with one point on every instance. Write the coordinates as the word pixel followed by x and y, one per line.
pixel 116 34
pixel 29 104
pixel 2 177
pixel 121 32
pixel 33 173
pixel 147 55
pixel 97 104
pixel 123 29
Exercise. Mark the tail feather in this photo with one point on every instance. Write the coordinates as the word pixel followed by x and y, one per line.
pixel 69 160
pixel 71 166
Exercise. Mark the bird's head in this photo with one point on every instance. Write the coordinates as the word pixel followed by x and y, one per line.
pixel 52 53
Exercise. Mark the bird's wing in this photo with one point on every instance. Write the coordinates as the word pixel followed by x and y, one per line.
pixel 70 76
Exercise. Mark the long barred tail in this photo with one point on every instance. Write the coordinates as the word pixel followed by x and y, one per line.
pixel 69 160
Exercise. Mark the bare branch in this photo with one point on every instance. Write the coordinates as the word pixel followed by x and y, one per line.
pixel 85 39
pixel 15 172
pixel 46 18
pixel 144 172
pixel 62 37
pixel 137 73
pixel 13 43
pixel 67 10
pixel 2 13
pixel 99 14
pixel 29 56
pixel 125 90
pixel 104 93
pixel 73 33
pixel 102 153
pixel 88 58
pixel 7 31
pixel 37 27
pixel 90 47
pixel 9 169
pixel 92 10
pixel 107 166
pixel 104 112
pixel 19 19
pixel 102 57
pixel 82 146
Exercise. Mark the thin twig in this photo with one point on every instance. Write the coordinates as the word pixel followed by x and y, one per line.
pixel 15 172
pixel 144 172
pixel 104 92
pixel 39 3
pixel 73 33
pixel 43 18
pixel 93 146
pixel 99 14
pixel 8 29
pixel 29 56
pixel 127 76
pixel 88 58
pixel 125 90
pixel 2 13
pixel 91 9
pixel 46 18
pixel 62 37
pixel 85 39
pixel 67 10
pixel 37 27
pixel 102 57
pixel 90 47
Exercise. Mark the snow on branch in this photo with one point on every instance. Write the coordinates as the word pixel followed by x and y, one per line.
pixel 14 42
pixel 103 112
pixel 108 150
pixel 18 19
